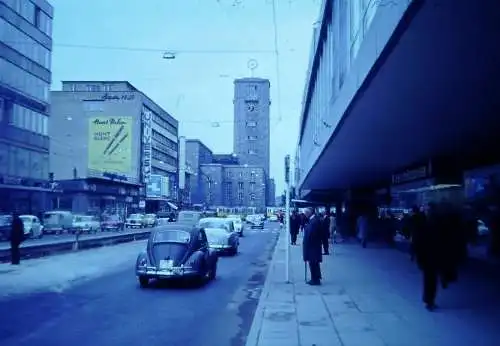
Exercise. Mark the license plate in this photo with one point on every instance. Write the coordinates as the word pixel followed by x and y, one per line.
pixel 166 264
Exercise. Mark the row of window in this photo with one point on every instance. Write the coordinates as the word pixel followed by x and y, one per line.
pixel 165 124
pixel 158 155
pixel 33 14
pixel 164 140
pixel 24 81
pixel 24 44
pixel 22 162
pixel 350 21
pixel 30 120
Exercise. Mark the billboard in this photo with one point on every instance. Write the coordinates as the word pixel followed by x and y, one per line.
pixel 157 187
pixel 110 144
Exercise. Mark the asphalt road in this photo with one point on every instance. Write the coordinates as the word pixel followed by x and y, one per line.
pixel 113 310
pixel 51 238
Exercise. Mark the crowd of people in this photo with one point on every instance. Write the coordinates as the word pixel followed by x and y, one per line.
pixel 436 245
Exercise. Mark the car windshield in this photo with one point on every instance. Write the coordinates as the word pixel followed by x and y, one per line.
pixel 221 224
pixel 135 216
pixel 171 237
pixel 112 218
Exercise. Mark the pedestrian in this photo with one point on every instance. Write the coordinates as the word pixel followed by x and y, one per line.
pixel 16 238
pixel 427 247
pixel 294 227
pixel 325 232
pixel 362 229
pixel 311 246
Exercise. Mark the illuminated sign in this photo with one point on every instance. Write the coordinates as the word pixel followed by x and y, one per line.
pixel 147 122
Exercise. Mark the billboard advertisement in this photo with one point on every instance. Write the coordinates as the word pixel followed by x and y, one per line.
pixel 153 187
pixel 110 144
pixel 157 187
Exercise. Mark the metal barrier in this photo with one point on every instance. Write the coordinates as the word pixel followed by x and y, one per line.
pixel 74 244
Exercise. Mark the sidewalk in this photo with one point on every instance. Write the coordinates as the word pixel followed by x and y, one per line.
pixel 369 297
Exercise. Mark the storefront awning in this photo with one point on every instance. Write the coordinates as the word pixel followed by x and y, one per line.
pixel 173 206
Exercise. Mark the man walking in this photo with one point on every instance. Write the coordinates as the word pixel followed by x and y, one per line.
pixel 294 227
pixel 16 238
pixel 311 246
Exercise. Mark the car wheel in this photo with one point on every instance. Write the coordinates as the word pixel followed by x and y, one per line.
pixel 143 281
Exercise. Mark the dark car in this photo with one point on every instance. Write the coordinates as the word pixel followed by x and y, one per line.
pixel 112 223
pixel 177 251
pixel 5 226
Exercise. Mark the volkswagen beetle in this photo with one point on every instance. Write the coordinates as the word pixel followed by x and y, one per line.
pixel 177 251
pixel 221 234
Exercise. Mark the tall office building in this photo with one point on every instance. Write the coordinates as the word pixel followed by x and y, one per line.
pixel 25 75
pixel 251 122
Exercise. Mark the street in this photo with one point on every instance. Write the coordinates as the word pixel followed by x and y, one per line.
pixel 113 310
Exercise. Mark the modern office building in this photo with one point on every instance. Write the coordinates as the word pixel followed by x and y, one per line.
pixel 252 121
pixel 111 135
pixel 401 106
pixel 25 76
pixel 271 192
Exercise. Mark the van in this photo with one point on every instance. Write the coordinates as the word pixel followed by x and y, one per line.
pixel 57 222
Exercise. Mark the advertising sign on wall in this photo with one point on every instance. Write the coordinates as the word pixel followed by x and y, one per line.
pixel 154 186
pixel 110 144
pixel 147 119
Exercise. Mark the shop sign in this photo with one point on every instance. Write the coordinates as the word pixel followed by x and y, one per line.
pixel 413 174
pixel 111 97
pixel 147 118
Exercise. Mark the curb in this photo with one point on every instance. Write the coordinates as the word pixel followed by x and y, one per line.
pixel 252 338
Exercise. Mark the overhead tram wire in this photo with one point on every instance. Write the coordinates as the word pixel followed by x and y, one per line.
pixel 155 49
pixel 277 63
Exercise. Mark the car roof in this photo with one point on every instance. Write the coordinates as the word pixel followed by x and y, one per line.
pixel 176 226
pixel 211 218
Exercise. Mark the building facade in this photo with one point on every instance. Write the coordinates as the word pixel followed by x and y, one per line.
pixel 252 121
pixel 234 186
pixel 110 131
pixel 271 192
pixel 25 76
pixel 197 154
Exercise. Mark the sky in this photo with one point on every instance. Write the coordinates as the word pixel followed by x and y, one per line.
pixel 213 41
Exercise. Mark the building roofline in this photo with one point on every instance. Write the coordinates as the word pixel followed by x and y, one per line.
pixel 102 81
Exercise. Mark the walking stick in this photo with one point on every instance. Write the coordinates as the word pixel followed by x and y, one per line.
pixel 305 271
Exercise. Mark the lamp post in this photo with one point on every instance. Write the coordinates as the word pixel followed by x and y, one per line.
pixel 287 216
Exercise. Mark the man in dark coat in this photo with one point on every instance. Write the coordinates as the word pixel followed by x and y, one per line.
pixel 428 246
pixel 311 246
pixel 16 238
pixel 294 227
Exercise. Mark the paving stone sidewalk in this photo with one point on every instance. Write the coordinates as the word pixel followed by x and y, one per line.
pixel 370 297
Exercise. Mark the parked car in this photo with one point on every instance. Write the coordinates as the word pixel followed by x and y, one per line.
pixel 135 221
pixel 273 218
pixel 85 224
pixel 57 221
pixel 112 223
pixel 176 251
pixel 189 217
pixel 150 220
pixel 238 224
pixel 5 226
pixel 221 234
pixel 32 226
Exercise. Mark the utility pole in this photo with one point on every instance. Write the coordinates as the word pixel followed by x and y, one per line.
pixel 287 217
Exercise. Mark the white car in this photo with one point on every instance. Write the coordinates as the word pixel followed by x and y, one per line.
pixel 273 218
pixel 85 223
pixel 238 224
pixel 220 234
pixel 32 226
